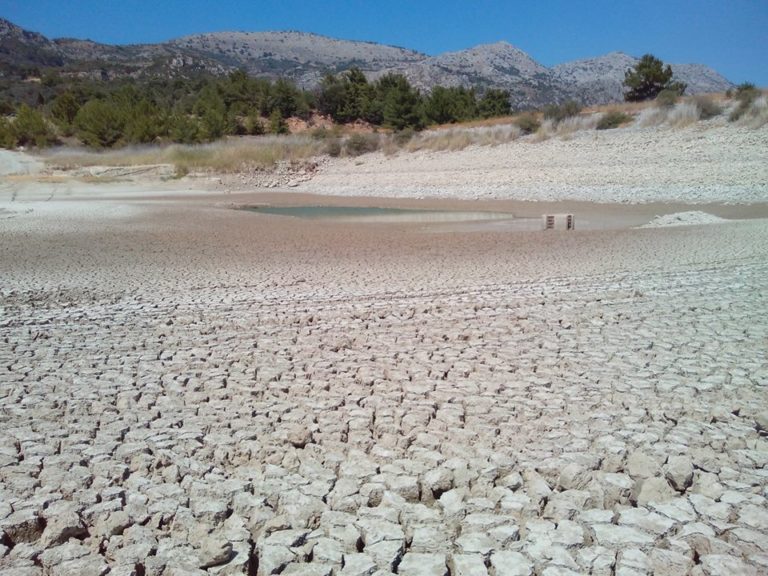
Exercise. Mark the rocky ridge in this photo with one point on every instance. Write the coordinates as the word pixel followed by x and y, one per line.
pixel 305 58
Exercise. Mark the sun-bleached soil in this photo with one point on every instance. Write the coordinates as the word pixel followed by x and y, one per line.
pixel 191 389
pixel 698 164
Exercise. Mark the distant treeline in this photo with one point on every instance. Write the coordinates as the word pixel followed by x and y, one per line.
pixel 104 114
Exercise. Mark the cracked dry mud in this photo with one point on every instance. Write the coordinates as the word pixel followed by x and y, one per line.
pixel 433 412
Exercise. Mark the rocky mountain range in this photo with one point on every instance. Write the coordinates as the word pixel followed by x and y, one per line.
pixel 305 58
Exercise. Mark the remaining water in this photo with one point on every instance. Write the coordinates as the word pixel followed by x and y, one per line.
pixel 374 214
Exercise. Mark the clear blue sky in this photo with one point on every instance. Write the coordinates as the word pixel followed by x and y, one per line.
pixel 729 35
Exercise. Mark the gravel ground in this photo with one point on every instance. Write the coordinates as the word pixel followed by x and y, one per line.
pixel 702 163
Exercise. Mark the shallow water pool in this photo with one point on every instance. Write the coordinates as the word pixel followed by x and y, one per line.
pixel 379 214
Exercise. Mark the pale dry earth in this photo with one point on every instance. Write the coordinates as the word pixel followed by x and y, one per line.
pixel 698 164
pixel 191 389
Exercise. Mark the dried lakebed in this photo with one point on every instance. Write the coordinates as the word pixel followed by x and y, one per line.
pixel 380 414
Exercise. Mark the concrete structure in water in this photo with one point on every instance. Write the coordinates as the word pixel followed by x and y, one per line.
pixel 559 222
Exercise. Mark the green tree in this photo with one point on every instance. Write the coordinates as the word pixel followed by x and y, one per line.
pixel 495 102
pixel 184 129
pixel 100 123
pixel 288 100
pixel 212 110
pixel 348 97
pixel 277 124
pixel 31 129
pixel 7 137
pixel 648 78
pixel 447 105
pixel 331 97
pixel 64 108
pixel 401 103
pixel 145 122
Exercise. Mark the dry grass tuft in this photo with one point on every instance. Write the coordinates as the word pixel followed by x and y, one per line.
pixel 756 113
pixel 683 114
pixel 261 152
pixel 458 138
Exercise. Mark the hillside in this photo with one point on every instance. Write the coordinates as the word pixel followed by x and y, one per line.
pixel 305 58
pixel 599 80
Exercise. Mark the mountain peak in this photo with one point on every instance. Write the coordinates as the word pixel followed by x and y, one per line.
pixel 305 57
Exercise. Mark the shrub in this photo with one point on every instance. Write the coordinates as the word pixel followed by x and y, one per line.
pixel 746 94
pixel 494 103
pixel 333 147
pixel 358 144
pixel 708 108
pixel 254 126
pixel 613 119
pixel 31 129
pixel 667 98
pixel 7 137
pixel 752 112
pixel 321 133
pixel 683 114
pixel 64 109
pixel 558 113
pixel 745 88
pixel 184 130
pixel 528 123
pixel 402 137
pixel 276 123
pixel 99 124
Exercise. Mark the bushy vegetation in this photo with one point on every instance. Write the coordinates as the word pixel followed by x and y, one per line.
pixel 613 119
pixel 204 109
pixel 528 122
pixel 223 156
pixel 648 78
pixel 104 115
pixel 746 94
pixel 358 144
pixel 124 113
pixel 707 107
pixel 667 98
pixel 559 112
pixel 28 128
pixel 392 102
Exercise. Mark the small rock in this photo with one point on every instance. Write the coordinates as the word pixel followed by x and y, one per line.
pixel 574 477
pixel 214 552
pixel 669 562
pixel 273 559
pixel 655 489
pixel 679 471
pixel 511 564
pixel 467 565
pixel 299 436
pixel 358 565
pixel 761 422
pixel 22 526
pixel 722 565
pixel 642 465
pixel 61 528
pixel 417 564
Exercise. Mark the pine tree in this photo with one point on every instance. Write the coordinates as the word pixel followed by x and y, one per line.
pixel 648 78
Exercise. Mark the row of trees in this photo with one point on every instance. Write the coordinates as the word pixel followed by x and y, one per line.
pixel 180 111
pixel 391 101
pixel 190 111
